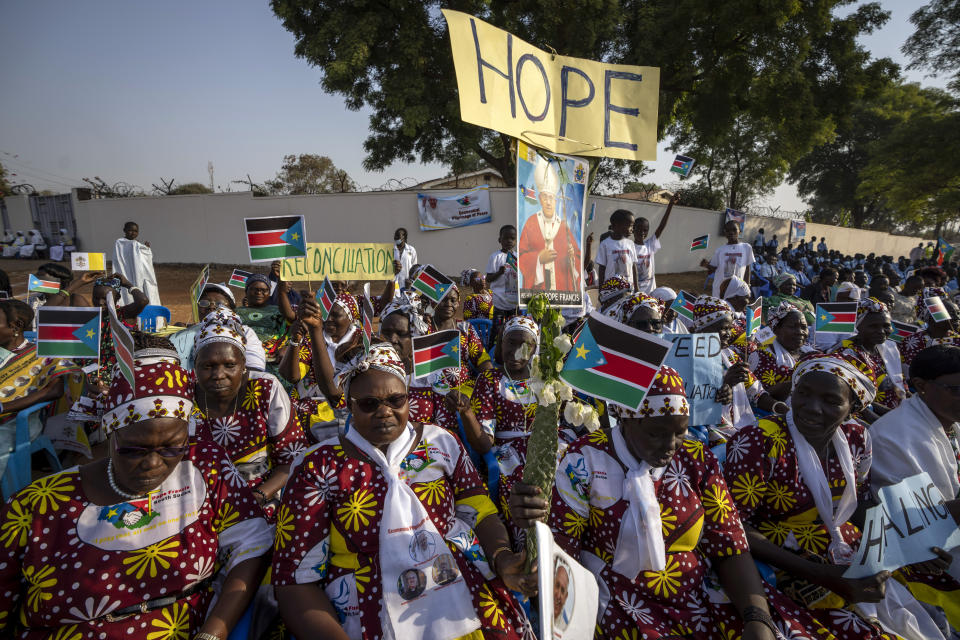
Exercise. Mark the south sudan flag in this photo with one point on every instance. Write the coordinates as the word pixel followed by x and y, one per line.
pixel 68 332
pixel 239 278
pixel 326 296
pixel 836 317
pixel 682 165
pixel 683 304
pixel 366 310
pixel 902 331
pixel 122 344
pixel 700 242
pixel 42 286
pixel 613 362
pixel 754 314
pixel 436 351
pixel 938 312
pixel 432 284
pixel 275 237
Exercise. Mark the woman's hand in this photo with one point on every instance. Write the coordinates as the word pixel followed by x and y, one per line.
pixel 724 395
pixel 510 569
pixel 126 284
pixel 527 505
pixel 309 314
pixel 457 402
pixel 869 589
pixel 738 373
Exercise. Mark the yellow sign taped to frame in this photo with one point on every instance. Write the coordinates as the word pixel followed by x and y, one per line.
pixel 562 104
pixel 341 261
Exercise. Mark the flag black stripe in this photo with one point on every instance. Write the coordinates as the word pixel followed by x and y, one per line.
pixel 611 338
pixel 433 339
pixel 439 277
pixel 78 316
pixel 839 307
pixel 271 224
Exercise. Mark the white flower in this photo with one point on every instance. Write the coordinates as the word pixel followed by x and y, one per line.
pixel 559 366
pixel 562 342
pixel 676 480
pixel 564 392
pixel 225 430
pixel 91 610
pixel 535 364
pixel 560 322
pixel 736 449
pixel 592 421
pixel 202 568
pixel 634 607
pixel 571 413
pixel 847 620
pixel 232 474
pixel 547 396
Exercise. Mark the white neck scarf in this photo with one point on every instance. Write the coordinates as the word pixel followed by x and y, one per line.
pixel 333 346
pixel 815 478
pixel 409 541
pixel 640 545
pixel 782 356
pixel 741 414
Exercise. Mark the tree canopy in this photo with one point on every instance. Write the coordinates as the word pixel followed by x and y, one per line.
pixel 935 45
pixel 309 174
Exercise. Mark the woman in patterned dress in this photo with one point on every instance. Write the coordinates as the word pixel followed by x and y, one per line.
pixel 786 286
pixel 648 512
pixel 773 363
pixel 246 412
pixel 125 547
pixel 797 516
pixel 869 347
pixel 479 302
pixel 269 321
pixel 371 520
pixel 942 332
pixel 473 355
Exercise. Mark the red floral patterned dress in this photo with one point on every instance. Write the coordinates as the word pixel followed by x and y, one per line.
pixel 65 562
pixel 700 525
pixel 478 305
pixel 886 387
pixel 917 342
pixel 328 530
pixel 763 474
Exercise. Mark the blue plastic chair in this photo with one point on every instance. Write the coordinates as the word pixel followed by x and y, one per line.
pixel 148 317
pixel 484 327
pixel 28 440
pixel 489 459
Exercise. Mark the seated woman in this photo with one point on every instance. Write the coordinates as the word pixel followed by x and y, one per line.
pixel 869 347
pixel 642 312
pixel 269 321
pixel 672 322
pixel 933 333
pixel 740 389
pixel 479 302
pixel 796 480
pixel 612 292
pixel 368 518
pixel 474 358
pixel 126 546
pixel 773 363
pixel 246 412
pixel 648 512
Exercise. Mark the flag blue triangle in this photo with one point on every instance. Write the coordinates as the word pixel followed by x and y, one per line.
pixel 452 348
pixel 34 281
pixel 441 289
pixel 585 353
pixel 821 321
pixel 294 236
pixel 89 334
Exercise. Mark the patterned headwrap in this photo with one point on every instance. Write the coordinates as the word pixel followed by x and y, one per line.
pixel 613 287
pixel 923 314
pixel 707 310
pixel 665 397
pixel 736 287
pixel 664 294
pixel 402 303
pixel 221 325
pixel 523 323
pixel 256 277
pixel 862 384
pixel 382 357
pixel 634 302
pixel 349 304
pixel 869 305
pixel 466 276
pixel 163 390
pixel 780 278
pixel 784 309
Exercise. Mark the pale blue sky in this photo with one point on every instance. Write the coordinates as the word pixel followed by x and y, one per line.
pixel 136 91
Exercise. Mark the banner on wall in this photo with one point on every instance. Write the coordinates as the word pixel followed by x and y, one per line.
pixel 798 230
pixel 562 104
pixel 551 202
pixel 737 216
pixel 341 261
pixel 447 212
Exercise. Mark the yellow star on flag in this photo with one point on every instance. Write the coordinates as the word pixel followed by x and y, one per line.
pixel 295 236
pixel 90 333
pixel 582 352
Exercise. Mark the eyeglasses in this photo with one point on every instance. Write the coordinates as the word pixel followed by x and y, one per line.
pixel 952 388
pixel 372 404
pixel 203 304
pixel 142 452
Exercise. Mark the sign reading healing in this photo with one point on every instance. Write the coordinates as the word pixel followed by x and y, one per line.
pixel 562 104
pixel 341 261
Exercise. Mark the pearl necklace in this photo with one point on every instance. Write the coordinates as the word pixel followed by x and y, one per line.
pixel 116 488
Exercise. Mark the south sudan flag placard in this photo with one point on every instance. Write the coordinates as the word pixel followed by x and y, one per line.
pixel 613 362
pixel 432 284
pixel 275 237
pixel 836 317
pixel 683 304
pixel 436 351
pixel 68 332
pixel 239 278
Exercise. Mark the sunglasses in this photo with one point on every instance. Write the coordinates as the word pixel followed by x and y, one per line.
pixel 203 304
pixel 142 452
pixel 372 404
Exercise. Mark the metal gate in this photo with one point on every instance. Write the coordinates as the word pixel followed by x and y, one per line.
pixel 52 213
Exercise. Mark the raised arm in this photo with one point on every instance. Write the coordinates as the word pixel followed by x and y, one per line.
pixel 674 199
pixel 283 301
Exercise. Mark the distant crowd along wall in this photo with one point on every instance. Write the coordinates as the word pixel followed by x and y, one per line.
pixel 209 228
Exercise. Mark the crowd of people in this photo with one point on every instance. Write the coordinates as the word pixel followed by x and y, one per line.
pixel 266 474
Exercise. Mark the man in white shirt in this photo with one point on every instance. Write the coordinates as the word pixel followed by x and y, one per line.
pixel 404 257
pixel 134 261
pixel 732 259
pixel 647 247
pixel 617 254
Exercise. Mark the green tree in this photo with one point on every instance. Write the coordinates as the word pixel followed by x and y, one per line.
pixel 4 183
pixel 935 45
pixel 309 174
pixel 189 189
pixel 779 66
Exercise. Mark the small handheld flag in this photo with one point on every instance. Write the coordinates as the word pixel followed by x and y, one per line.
pixel 433 284
pixel 88 261
pixel 754 314
pixel 239 278
pixel 944 251
pixel 902 331
pixel 512 260
pixel 366 310
pixel 683 304
pixel 938 312
pixel 764 335
pixel 122 343
pixel 682 165
pixel 836 317
pixel 737 216
pixel 326 296
pixel 613 362
pixel 436 351
pixel 275 237
pixel 42 286
pixel 700 242
pixel 68 332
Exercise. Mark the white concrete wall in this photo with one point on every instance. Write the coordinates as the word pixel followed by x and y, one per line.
pixel 18 213
pixel 209 228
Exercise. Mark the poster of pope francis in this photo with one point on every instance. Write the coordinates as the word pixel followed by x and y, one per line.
pixel 551 199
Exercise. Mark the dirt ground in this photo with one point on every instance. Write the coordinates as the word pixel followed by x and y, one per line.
pixel 175 280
